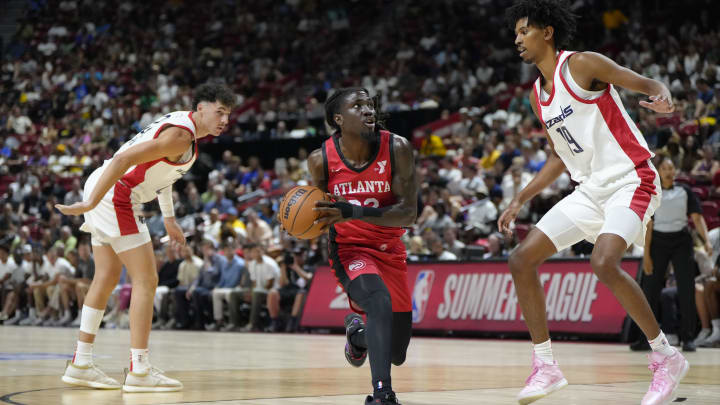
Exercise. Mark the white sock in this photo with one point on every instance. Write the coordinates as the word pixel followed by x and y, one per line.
pixel 661 345
pixel 544 352
pixel 83 354
pixel 716 325
pixel 32 313
pixel 139 360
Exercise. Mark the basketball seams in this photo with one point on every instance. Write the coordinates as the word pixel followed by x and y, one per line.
pixel 311 224
pixel 299 208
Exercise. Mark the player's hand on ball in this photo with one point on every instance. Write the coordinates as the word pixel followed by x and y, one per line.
pixel 661 103
pixel 328 213
pixel 76 209
pixel 508 216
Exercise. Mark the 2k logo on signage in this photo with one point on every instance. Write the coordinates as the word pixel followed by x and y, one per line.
pixel 381 166
pixel 356 265
pixel 421 294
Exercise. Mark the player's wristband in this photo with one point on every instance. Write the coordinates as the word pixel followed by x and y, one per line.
pixel 353 211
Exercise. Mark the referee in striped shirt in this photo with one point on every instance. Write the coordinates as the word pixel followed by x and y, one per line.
pixel 668 240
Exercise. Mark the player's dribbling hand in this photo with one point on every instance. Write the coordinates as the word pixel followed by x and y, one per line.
pixel 508 216
pixel 75 209
pixel 661 103
pixel 328 214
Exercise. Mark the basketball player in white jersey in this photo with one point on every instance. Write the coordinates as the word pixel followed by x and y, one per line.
pixel 619 189
pixel 144 168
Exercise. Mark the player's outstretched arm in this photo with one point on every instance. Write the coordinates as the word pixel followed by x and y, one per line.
pixel 404 187
pixel 588 66
pixel 551 170
pixel 173 141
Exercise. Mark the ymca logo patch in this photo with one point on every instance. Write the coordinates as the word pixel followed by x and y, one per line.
pixel 356 265
pixel 381 166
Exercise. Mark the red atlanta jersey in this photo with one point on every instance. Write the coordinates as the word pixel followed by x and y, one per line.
pixel 367 186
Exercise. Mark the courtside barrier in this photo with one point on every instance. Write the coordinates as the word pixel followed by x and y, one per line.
pixel 480 297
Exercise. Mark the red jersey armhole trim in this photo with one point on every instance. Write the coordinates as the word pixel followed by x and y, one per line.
pixel 572 93
pixel 164 126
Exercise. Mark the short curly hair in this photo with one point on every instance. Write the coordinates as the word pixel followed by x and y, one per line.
pixel 544 13
pixel 212 92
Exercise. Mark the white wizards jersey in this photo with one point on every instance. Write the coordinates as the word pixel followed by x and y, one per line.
pixel 599 143
pixel 117 214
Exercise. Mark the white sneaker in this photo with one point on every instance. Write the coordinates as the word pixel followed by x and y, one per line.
pixel 64 320
pixel 88 376
pixel 704 333
pixel 77 320
pixel 712 339
pixel 3 316
pixel 27 321
pixel 673 339
pixel 15 319
pixel 153 380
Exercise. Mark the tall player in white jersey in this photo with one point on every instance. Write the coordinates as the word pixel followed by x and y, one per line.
pixel 144 168
pixel 596 141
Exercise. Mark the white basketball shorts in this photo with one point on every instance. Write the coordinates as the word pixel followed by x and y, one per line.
pixel 111 224
pixel 582 215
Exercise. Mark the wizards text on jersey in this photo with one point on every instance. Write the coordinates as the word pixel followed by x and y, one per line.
pixel 566 111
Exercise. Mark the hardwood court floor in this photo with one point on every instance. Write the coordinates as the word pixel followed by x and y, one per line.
pixel 264 369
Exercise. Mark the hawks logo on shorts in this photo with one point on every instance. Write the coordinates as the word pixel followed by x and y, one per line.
pixel 356 265
pixel 421 294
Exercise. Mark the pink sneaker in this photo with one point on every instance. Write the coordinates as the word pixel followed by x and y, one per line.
pixel 544 379
pixel 667 373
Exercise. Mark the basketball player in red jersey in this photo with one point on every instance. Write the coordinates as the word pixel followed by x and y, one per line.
pixel 370 174
pixel 592 137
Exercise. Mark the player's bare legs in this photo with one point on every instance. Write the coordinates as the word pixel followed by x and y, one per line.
pixel 524 262
pixel 546 376
pixel 605 261
pixel 140 265
pixel 81 370
pixel 142 377
pixel 108 269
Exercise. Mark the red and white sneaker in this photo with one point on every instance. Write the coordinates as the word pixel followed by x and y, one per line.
pixel 544 379
pixel 667 373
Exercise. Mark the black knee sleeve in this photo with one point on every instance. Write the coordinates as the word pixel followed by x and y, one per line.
pixel 402 330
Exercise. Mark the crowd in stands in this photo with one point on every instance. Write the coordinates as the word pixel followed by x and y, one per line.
pixel 77 81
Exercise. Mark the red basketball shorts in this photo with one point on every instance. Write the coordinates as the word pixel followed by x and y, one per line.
pixel 387 260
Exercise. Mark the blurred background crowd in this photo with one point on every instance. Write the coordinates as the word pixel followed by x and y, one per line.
pixel 78 78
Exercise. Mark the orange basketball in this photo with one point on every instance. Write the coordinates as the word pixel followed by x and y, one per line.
pixel 296 211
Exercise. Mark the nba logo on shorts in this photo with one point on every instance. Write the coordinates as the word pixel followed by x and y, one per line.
pixel 421 294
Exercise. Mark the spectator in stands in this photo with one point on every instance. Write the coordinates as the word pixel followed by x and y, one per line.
pixel 188 271
pixel 167 279
pixel 263 272
pixel 46 292
pixel 231 274
pixel 30 265
pixel 711 295
pixel 220 201
pixel 668 240
pixel 438 251
pixel 258 231
pixel 705 169
pixel 76 287
pixel 9 220
pixel 290 291
pixel 432 145
pixel 67 240
pixel 7 267
pixel 496 248
pixel 197 295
